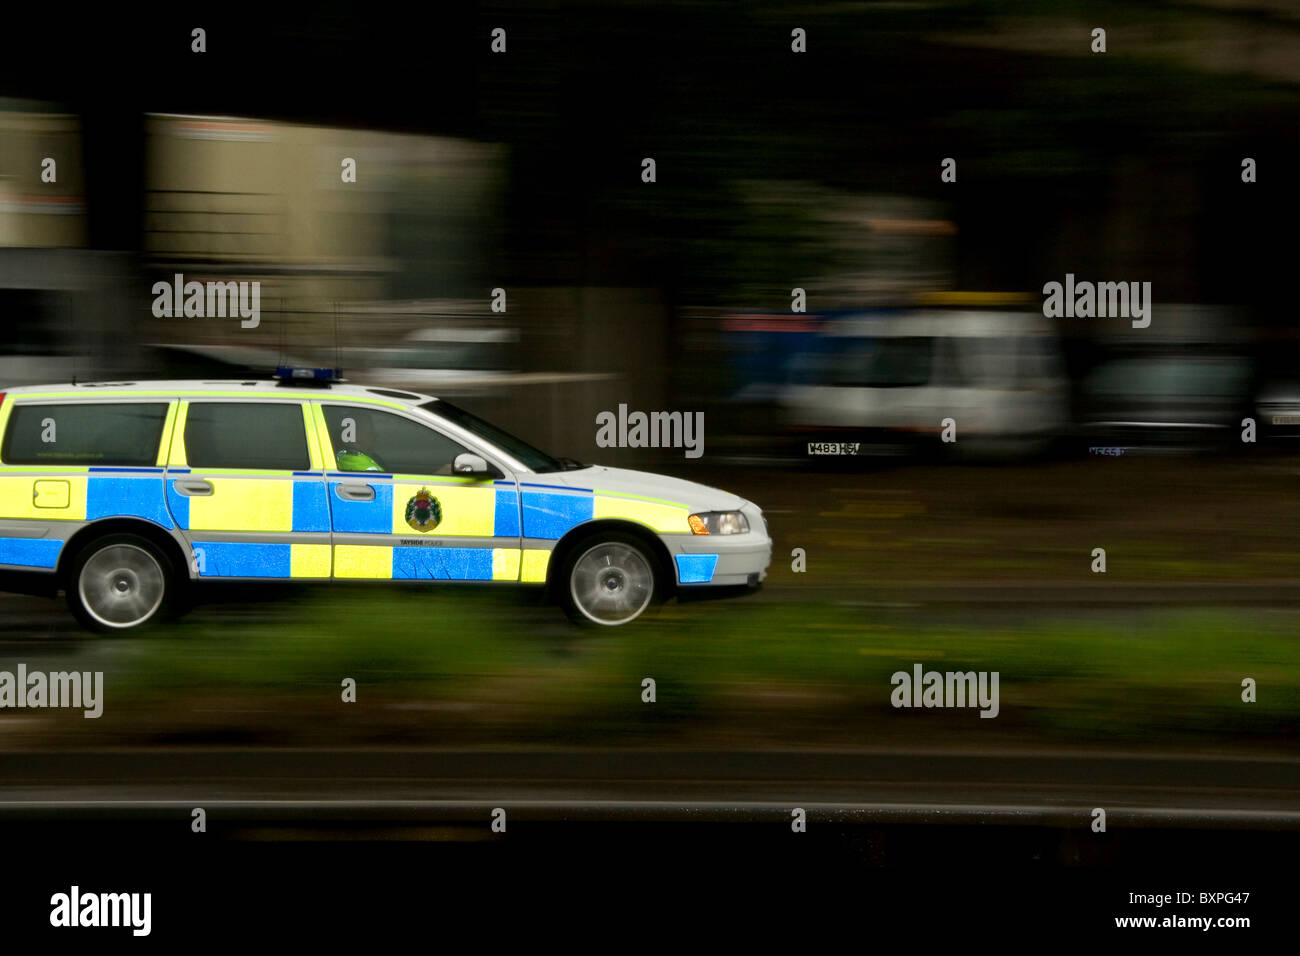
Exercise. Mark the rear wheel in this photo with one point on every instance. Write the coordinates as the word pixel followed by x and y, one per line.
pixel 119 582
pixel 608 580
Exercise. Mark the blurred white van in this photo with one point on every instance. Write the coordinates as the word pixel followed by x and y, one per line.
pixel 884 382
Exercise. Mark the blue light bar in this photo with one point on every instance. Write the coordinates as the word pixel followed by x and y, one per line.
pixel 319 376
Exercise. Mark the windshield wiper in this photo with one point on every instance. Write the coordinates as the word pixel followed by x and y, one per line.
pixel 571 464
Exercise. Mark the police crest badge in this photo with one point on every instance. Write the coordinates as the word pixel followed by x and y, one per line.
pixel 423 511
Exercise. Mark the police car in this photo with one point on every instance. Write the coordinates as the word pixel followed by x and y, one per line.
pixel 122 493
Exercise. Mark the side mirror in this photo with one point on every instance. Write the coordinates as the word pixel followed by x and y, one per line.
pixel 473 466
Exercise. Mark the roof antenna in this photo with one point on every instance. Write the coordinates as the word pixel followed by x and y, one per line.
pixel 72 319
pixel 338 372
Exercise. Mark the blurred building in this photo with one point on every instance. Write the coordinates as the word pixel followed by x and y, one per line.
pixel 246 199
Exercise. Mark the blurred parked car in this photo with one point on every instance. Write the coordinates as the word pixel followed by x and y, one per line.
pixel 1171 402
pixel 1277 411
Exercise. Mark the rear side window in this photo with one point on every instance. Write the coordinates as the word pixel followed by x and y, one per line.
pixel 88 433
pixel 262 435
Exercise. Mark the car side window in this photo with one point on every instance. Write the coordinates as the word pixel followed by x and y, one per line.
pixel 367 439
pixel 89 433
pixel 267 436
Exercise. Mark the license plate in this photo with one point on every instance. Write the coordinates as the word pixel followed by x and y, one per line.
pixel 833 448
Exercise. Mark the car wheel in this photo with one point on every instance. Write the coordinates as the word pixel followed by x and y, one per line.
pixel 608 580
pixel 119 582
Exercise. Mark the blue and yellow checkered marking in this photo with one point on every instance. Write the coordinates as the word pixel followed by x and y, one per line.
pixel 534 564
pixel 30 552
pixel 549 515
pixel 230 559
pixel 311 508
pixel 252 504
pixel 363 517
pixel 506 520
pixel 665 517
pixel 238 503
pixel 178 505
pixel 505 564
pixel 85 494
pixel 308 503
pixel 468 510
pixel 696 568
pixel 239 559
pixel 444 564
pixel 404 563
pixel 122 496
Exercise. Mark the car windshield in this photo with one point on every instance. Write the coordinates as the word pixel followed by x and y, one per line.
pixel 532 458
pixel 862 362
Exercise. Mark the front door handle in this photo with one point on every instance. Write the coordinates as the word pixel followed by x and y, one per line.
pixel 356 492
pixel 193 486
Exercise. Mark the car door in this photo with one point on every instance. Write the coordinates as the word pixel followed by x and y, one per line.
pixel 246 486
pixel 398 511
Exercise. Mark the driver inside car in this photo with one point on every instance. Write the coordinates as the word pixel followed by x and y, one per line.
pixel 359 454
pixel 350 456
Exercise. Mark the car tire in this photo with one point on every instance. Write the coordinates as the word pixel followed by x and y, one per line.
pixel 120 582
pixel 608 580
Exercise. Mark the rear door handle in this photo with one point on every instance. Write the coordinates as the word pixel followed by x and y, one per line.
pixel 356 492
pixel 193 486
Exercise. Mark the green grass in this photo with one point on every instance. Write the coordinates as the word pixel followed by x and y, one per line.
pixel 443 668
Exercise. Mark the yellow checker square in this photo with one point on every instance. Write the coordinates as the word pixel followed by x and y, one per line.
pixel 62 498
pixel 363 561
pixel 656 516
pixel 244 504
pixel 466 510
pixel 505 564
pixel 534 565
pixel 309 561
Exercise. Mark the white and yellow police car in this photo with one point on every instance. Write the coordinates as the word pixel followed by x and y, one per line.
pixel 123 493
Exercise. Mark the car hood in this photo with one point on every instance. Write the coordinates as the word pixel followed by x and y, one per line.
pixel 623 481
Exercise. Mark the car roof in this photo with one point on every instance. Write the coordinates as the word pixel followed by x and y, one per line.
pixel 268 388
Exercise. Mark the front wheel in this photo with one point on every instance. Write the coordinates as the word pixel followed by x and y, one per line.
pixel 608 580
pixel 119 582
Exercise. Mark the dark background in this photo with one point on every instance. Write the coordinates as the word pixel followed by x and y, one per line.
pixel 712 91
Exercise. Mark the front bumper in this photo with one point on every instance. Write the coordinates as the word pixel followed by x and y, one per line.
pixel 717 560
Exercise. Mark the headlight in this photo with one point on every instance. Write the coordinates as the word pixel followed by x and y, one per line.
pixel 718 522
